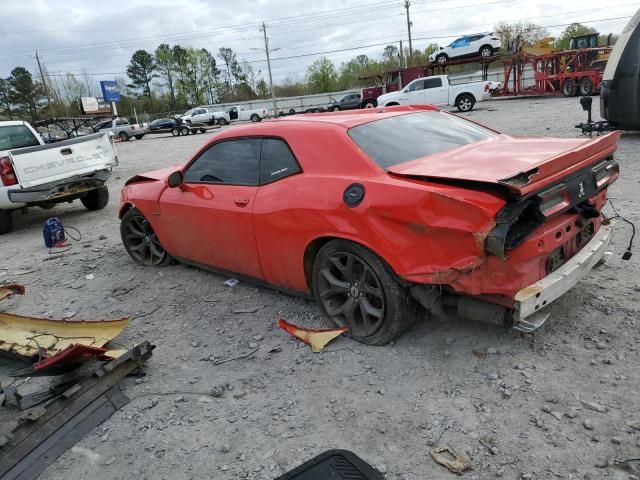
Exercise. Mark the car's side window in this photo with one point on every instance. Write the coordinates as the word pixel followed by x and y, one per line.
pixel 433 83
pixel 419 85
pixel 277 161
pixel 231 162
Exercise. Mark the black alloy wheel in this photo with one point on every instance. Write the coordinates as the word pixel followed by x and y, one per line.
pixel 356 289
pixel 141 242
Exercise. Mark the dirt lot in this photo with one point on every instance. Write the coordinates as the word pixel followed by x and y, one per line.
pixel 561 403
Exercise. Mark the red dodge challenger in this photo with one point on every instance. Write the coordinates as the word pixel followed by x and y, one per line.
pixel 378 212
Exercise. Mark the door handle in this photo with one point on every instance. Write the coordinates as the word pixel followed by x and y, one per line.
pixel 241 201
pixel 66 151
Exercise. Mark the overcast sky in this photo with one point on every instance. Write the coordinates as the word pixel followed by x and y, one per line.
pixel 98 38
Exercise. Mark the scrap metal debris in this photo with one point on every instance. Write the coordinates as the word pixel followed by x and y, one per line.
pixel 36 338
pixel 39 435
pixel 451 459
pixel 317 338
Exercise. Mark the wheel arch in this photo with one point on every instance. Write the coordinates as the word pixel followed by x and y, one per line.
pixel 316 244
pixel 486 45
pixel 465 94
pixel 124 209
pixel 392 104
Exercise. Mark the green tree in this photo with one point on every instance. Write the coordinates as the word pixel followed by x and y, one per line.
pixel 573 30
pixel 228 57
pixel 322 75
pixel 24 92
pixel 166 64
pixel 5 98
pixel 390 54
pixel 180 58
pixel 262 90
pixel 141 72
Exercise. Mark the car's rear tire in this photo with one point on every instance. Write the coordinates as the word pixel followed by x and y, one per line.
pixel 123 136
pixel 6 221
pixel 255 117
pixel 442 58
pixel 486 51
pixel 357 289
pixel 335 108
pixel 140 241
pixel 465 102
pixel 139 137
pixel 369 104
pixel 96 199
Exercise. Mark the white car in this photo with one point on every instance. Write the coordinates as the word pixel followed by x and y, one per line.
pixel 33 173
pixel 438 91
pixel 479 45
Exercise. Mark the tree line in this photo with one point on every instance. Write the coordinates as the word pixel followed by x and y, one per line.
pixel 174 78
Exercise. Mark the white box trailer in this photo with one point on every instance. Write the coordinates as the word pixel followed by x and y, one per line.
pixel 289 105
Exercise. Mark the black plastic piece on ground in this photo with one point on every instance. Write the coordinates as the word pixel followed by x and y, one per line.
pixel 334 464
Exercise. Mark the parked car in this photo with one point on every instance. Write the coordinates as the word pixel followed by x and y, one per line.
pixel 438 91
pixel 198 115
pixel 347 102
pixel 225 117
pixel 123 129
pixel 161 125
pixel 375 213
pixel 478 45
pixel 33 173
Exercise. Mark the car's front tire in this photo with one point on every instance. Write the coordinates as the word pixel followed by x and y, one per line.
pixel 140 241
pixel 123 136
pixel 6 221
pixel 357 289
pixel 96 199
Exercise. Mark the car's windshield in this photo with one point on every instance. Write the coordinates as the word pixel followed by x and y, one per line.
pixel 395 140
pixel 16 136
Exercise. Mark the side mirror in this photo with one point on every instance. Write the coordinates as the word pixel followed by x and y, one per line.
pixel 175 179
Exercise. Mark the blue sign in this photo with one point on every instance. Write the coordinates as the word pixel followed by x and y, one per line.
pixel 110 91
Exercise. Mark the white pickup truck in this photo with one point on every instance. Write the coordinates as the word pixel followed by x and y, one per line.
pixel 437 90
pixel 198 115
pixel 35 174
pixel 239 113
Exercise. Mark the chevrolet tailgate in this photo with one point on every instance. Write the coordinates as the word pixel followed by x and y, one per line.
pixel 49 163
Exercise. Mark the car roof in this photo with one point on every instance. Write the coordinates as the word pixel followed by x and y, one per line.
pixel 353 118
pixel 11 123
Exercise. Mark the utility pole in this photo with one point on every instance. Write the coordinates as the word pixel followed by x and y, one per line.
pixel 401 55
pixel 266 49
pixel 407 4
pixel 44 84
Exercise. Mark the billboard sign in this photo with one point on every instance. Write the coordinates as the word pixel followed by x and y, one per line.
pixel 89 104
pixel 110 91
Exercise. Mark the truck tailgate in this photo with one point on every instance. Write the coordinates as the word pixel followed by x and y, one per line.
pixel 57 161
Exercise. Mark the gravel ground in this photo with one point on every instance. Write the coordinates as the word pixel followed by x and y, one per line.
pixel 561 403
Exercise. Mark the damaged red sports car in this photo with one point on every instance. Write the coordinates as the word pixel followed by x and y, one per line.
pixel 378 212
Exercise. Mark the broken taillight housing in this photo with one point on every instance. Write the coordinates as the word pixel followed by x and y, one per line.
pixel 554 200
pixel 606 172
pixel 7 174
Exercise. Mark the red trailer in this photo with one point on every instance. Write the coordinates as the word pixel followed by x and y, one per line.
pixel 570 72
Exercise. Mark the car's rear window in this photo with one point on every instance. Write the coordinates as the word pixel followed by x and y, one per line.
pixel 16 136
pixel 395 140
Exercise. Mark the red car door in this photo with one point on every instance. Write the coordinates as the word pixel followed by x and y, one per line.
pixel 211 212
